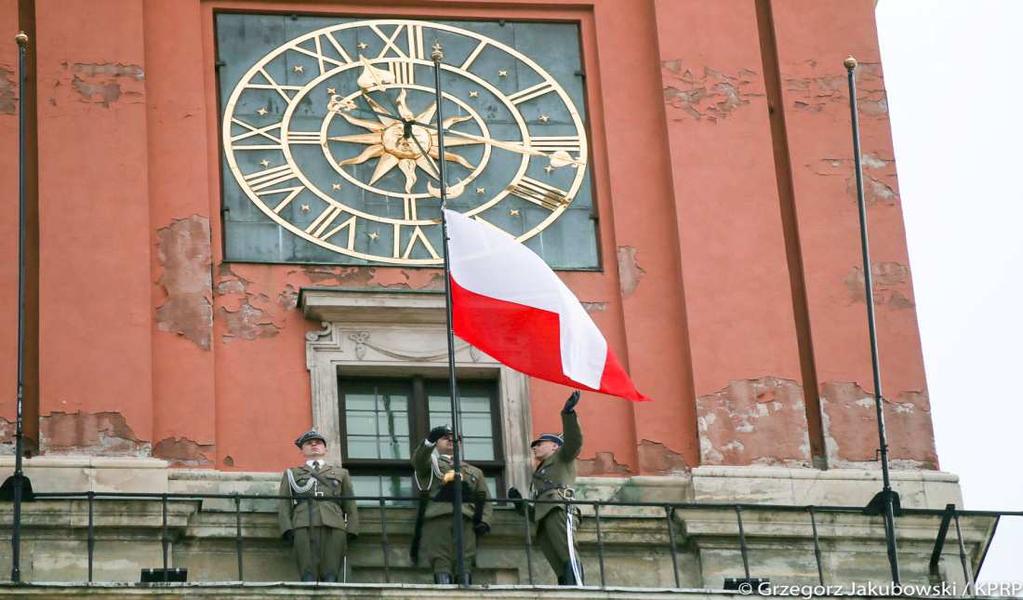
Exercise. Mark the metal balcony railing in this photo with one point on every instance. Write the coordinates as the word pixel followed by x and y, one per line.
pixel 948 517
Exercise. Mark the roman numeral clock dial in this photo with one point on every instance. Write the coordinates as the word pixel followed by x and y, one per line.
pixel 333 136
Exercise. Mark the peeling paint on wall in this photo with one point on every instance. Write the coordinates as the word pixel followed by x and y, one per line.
pixel 247 315
pixel 184 253
pixel 706 94
pixel 603 463
pixel 96 434
pixel 8 91
pixel 7 431
pixel 107 83
pixel 879 177
pixel 372 277
pixel 629 271
pixel 758 421
pixel 183 452
pixel 657 459
pixel 849 418
pixel 891 285
pixel 814 93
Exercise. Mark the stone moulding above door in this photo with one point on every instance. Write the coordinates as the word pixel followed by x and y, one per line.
pixel 389 333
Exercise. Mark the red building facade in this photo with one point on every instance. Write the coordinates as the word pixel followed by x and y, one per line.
pixel 730 282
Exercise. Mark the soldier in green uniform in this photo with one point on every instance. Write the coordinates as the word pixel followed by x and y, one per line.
pixel 312 517
pixel 553 480
pixel 435 476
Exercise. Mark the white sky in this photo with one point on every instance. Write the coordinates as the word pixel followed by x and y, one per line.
pixel 952 71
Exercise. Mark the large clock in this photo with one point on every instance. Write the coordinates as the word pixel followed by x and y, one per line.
pixel 333 136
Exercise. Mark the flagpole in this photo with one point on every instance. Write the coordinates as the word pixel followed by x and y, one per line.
pixel 886 498
pixel 18 483
pixel 456 504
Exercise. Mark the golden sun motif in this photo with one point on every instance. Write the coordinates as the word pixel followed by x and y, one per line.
pixel 391 142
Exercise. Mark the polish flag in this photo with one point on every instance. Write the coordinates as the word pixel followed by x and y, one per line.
pixel 508 303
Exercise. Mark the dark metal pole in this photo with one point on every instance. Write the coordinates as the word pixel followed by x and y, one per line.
pixel 456 503
pixel 19 435
pixel 886 495
pixel 238 536
pixel 669 514
pixel 816 547
pixel 91 533
pixel 743 550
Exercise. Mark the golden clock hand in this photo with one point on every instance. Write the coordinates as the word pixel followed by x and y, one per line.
pixel 372 77
pixel 559 158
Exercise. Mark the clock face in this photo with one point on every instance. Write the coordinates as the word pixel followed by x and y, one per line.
pixel 335 136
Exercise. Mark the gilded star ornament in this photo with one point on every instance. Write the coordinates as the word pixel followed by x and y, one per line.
pixel 549 169
pixel 385 142
pixel 514 212
pixel 545 118
pixel 331 91
pixel 305 208
pixel 265 163
pixel 262 111
pixel 298 69
pixel 481 190
pixel 335 186
pixel 502 73
pixel 474 94
pixel 373 235
pixel 362 45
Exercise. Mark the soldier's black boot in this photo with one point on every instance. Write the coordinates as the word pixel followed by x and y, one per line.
pixel 308 577
pixel 443 578
pixel 330 578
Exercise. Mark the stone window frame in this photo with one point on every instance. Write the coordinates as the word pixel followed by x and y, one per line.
pixel 374 333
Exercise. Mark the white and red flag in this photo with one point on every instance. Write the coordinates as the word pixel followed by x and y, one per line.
pixel 508 303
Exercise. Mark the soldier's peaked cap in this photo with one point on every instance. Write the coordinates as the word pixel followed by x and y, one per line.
pixel 548 437
pixel 312 434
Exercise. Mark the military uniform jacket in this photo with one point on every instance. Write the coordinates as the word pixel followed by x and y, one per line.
pixel 432 483
pixel 557 472
pixel 300 512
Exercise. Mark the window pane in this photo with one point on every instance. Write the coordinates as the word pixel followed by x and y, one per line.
pixel 393 447
pixel 478 449
pixel 393 424
pixel 383 485
pixel 362 446
pixel 361 423
pixel 439 404
pixel 474 403
pixel 376 418
pixel 476 425
pixel 357 401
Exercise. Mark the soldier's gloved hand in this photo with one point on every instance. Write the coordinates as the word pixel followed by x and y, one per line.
pixel 352 537
pixel 514 493
pixel 436 433
pixel 571 402
pixel 289 536
pixel 481 528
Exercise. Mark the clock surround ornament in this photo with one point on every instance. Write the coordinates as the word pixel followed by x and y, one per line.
pixel 374 133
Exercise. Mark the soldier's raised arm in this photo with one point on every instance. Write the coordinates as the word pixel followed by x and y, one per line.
pixel 421 461
pixel 573 434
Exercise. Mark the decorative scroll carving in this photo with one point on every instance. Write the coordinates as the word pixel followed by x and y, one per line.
pixel 325 327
